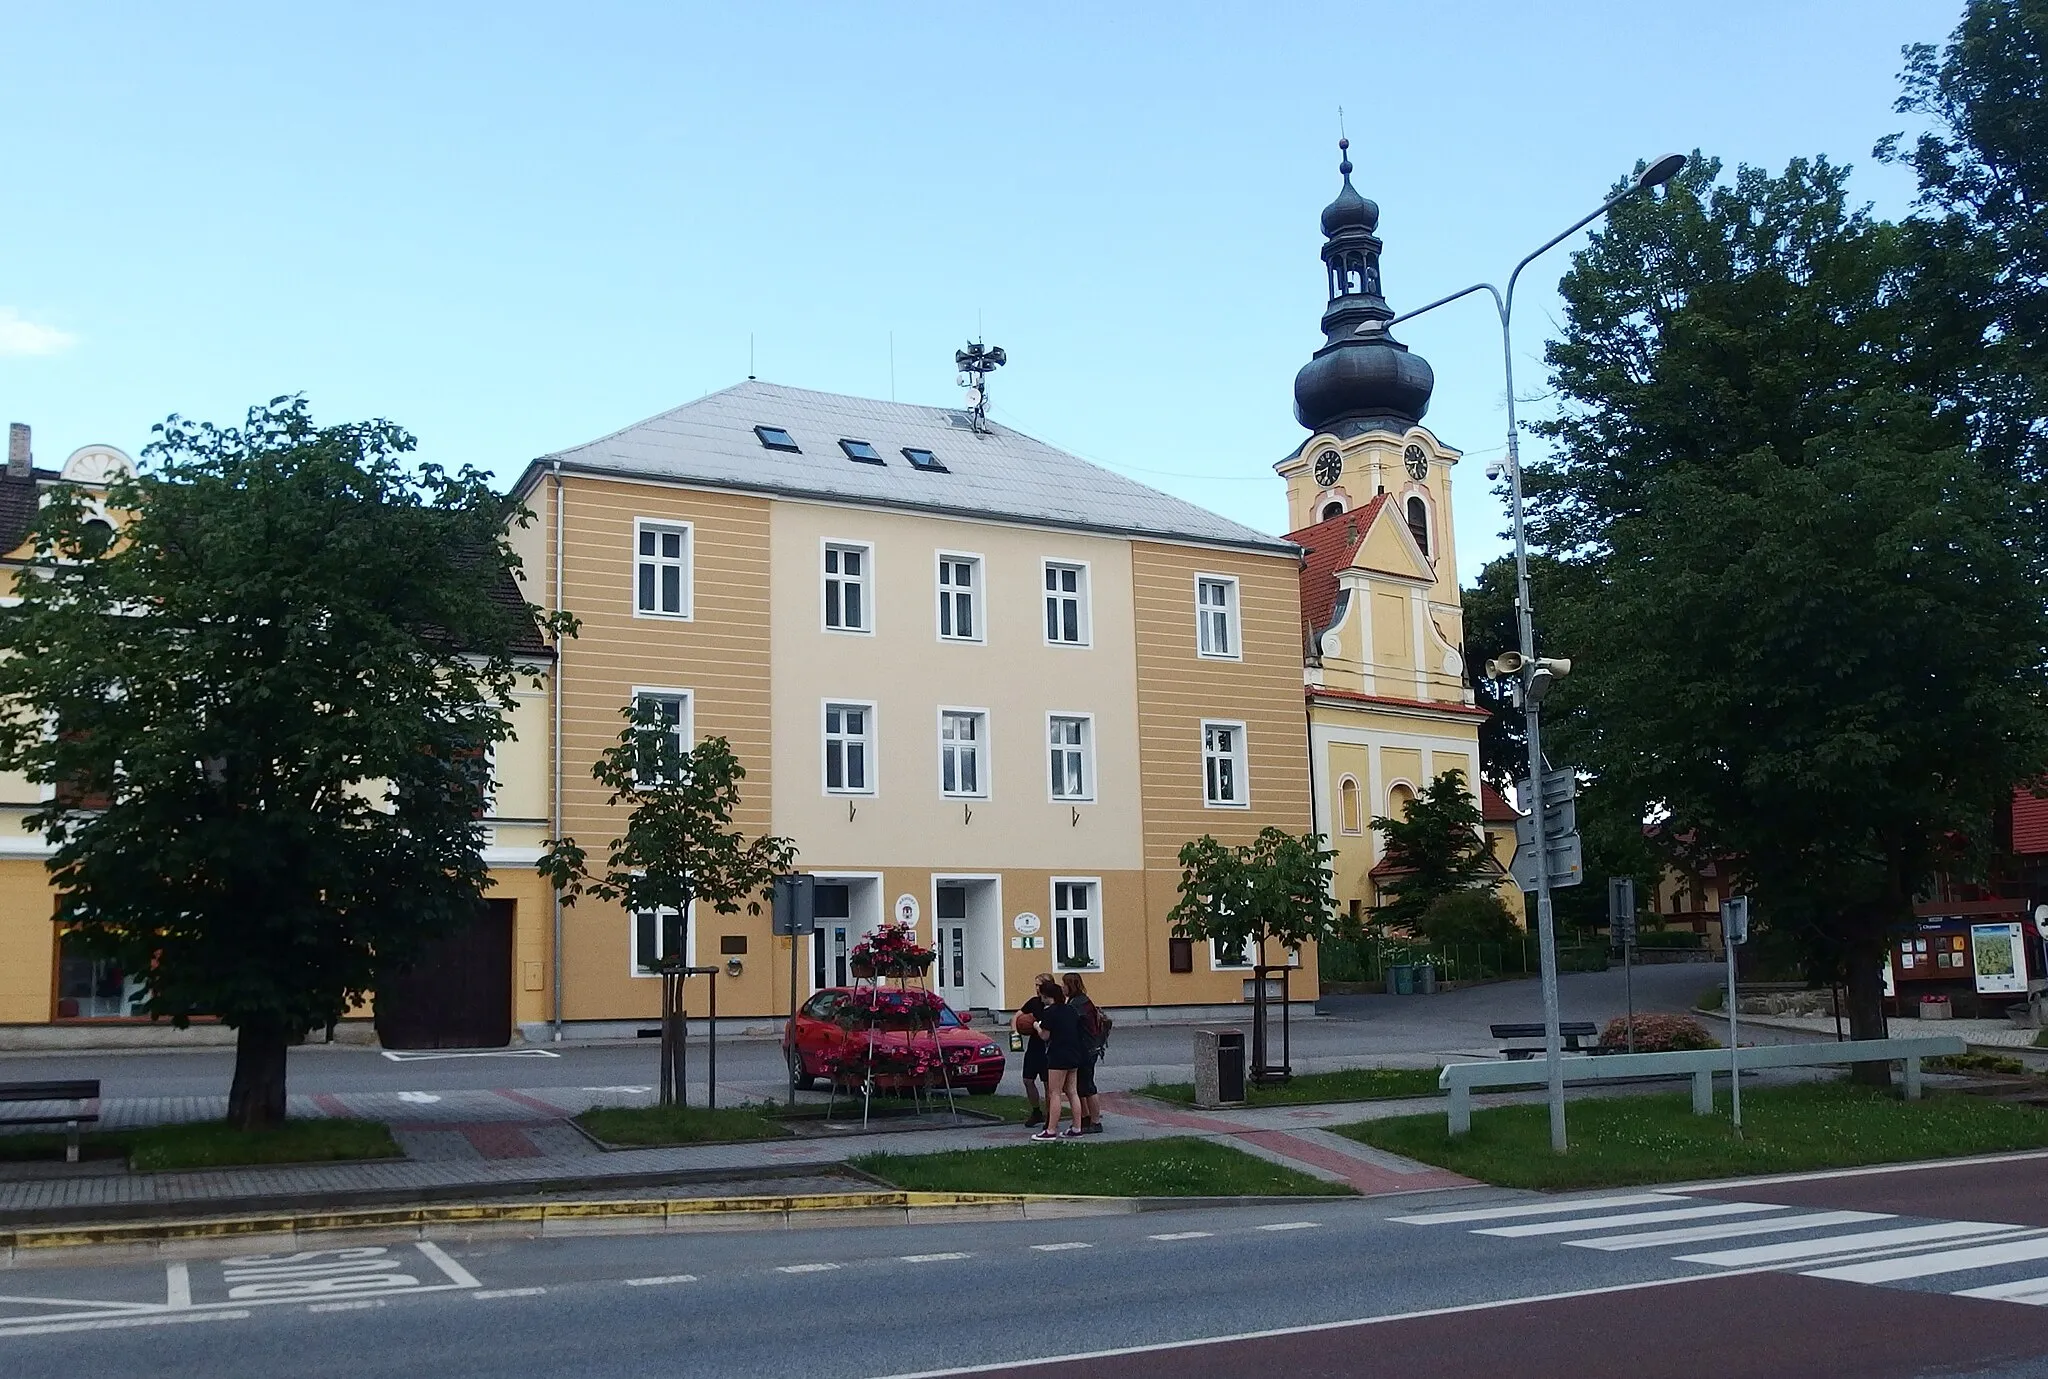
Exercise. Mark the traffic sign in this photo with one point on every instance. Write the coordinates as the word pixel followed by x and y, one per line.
pixel 795 904
pixel 1567 863
pixel 1621 909
pixel 1735 920
pixel 1560 806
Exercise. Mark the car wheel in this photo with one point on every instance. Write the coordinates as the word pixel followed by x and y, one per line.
pixel 989 1090
pixel 799 1078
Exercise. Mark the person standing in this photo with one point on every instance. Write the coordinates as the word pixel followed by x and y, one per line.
pixel 1091 1050
pixel 1060 1024
pixel 1034 1051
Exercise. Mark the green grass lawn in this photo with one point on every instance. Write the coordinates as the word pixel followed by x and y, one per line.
pixel 1143 1168
pixel 1656 1139
pixel 214 1144
pixel 1355 1084
pixel 642 1125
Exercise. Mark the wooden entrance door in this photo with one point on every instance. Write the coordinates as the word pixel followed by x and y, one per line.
pixel 459 994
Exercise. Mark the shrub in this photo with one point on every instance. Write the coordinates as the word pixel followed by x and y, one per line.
pixel 1660 1034
pixel 1469 916
pixel 1669 938
pixel 1975 1063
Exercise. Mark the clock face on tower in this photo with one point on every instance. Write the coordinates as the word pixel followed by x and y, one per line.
pixel 1329 468
pixel 1416 463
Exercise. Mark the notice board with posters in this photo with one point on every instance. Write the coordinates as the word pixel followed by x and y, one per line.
pixel 1931 955
pixel 1998 958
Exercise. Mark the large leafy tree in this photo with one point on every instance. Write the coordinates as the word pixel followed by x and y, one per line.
pixel 1440 848
pixel 1490 629
pixel 1804 604
pixel 680 845
pixel 263 709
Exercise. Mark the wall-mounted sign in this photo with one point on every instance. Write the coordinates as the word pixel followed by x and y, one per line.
pixel 906 909
pixel 1026 923
pixel 1998 952
pixel 2041 920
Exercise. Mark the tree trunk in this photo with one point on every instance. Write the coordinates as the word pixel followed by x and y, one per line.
pixel 1866 1007
pixel 256 1100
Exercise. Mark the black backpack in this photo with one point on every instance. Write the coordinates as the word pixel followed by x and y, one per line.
pixel 1096 1024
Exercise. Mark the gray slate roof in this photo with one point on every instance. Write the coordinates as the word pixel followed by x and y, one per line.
pixel 1001 474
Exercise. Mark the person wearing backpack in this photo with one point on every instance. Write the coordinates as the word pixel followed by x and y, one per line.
pixel 1095 1027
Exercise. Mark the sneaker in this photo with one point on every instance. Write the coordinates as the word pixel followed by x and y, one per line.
pixel 1045 1135
pixel 1035 1118
pixel 1072 1132
pixel 1093 1127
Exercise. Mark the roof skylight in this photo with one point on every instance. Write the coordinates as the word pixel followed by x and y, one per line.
pixel 862 451
pixel 924 459
pixel 775 438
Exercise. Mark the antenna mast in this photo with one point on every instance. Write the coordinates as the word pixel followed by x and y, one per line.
pixel 976 363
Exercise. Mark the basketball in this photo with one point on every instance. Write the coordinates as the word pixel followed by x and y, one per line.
pixel 1024 1024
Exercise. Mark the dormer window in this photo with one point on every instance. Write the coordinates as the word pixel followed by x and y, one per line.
pixel 862 451
pixel 924 459
pixel 775 438
pixel 1418 522
pixel 1332 510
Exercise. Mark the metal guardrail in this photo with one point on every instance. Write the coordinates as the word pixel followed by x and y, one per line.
pixel 1460 1079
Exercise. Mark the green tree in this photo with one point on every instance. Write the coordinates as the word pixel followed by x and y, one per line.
pixel 1806 613
pixel 1490 629
pixel 1440 848
pixel 1472 916
pixel 680 845
pixel 262 709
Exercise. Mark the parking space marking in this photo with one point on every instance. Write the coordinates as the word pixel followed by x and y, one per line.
pixel 1290 1226
pixel 934 1258
pixel 457 1275
pixel 659 1280
pixel 177 1285
pixel 488 1293
pixel 352 1305
pixel 1064 1245
pixel 1182 1235
pixel 804 1268
pixel 117 1323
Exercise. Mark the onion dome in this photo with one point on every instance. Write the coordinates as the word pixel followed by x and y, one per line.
pixel 1349 211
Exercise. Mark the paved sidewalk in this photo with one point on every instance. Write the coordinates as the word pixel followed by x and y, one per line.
pixel 2001 1034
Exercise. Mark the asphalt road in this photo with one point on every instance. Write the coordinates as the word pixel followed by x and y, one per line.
pixel 1872 1274
pixel 1357 1030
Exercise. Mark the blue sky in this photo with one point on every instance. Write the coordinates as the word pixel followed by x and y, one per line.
pixel 514 227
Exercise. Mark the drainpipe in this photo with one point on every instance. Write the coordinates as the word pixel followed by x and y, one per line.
pixel 555 739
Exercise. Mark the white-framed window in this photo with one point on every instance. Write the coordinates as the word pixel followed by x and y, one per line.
pixel 960 612
pixel 849 573
pixel 1216 618
pixel 661 569
pixel 849 748
pixel 1350 816
pixel 1222 955
pixel 1077 924
pixel 963 752
pixel 1223 775
pixel 654 938
pixel 1071 748
pixel 1066 603
pixel 672 708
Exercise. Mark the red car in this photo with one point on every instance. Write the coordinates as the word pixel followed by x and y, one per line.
pixel 833 1028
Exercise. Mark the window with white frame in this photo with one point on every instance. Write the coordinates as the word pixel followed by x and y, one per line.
pixel 1076 925
pixel 661 569
pixel 1216 617
pixel 1223 775
pixel 849 747
pixel 1350 817
pixel 847 569
pixel 1066 603
pixel 1072 744
pixel 1222 954
pixel 658 934
pixel 959 593
pixel 963 736
pixel 671 710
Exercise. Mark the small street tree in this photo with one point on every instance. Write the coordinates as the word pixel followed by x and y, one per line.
pixel 262 709
pixel 680 845
pixel 1272 890
pixel 1438 850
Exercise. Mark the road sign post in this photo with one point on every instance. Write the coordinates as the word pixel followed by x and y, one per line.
pixel 1621 927
pixel 795 912
pixel 1734 930
pixel 1547 836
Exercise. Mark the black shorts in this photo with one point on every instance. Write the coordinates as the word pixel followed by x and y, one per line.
pixel 1034 1059
pixel 1084 1084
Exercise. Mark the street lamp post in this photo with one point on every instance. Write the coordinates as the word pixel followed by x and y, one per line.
pixel 1655 175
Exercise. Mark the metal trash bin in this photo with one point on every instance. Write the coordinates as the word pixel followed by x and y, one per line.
pixel 1401 979
pixel 1219 1067
pixel 1425 979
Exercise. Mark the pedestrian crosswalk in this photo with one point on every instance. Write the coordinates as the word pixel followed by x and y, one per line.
pixel 1973 1259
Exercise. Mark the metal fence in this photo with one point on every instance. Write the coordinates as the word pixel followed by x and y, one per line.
pixel 1369 960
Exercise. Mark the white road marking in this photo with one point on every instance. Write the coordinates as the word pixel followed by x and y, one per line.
pixel 1723 1230
pixel 487 1293
pixel 1634 1218
pixel 1773 1256
pixel 116 1323
pixel 422 1055
pixel 804 1268
pixel 1940 1262
pixel 1290 1226
pixel 177 1285
pixel 1182 1235
pixel 1064 1245
pixel 95 1304
pixel 457 1275
pixel 353 1305
pixel 934 1259
pixel 660 1279
pixel 2031 1291
pixel 422 1098
pixel 636 1090
pixel 1869 1170
pixel 1456 1218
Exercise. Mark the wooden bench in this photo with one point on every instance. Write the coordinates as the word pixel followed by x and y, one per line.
pixel 1572 1031
pixel 1459 1079
pixel 83 1094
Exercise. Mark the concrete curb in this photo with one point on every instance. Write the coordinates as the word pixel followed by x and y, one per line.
pixel 268 1232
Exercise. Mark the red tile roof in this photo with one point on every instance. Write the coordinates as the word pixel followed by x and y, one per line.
pixel 2029 822
pixel 1394 701
pixel 1329 547
pixel 1494 808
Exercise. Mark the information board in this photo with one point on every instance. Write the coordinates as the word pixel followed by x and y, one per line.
pixel 1998 954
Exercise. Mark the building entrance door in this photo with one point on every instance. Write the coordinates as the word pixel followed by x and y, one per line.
pixel 952 968
pixel 834 938
pixel 459 994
